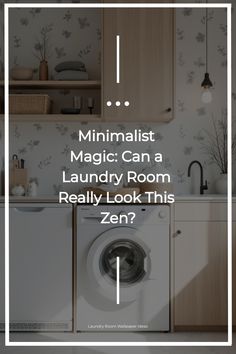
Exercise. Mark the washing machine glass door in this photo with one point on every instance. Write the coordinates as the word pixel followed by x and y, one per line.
pixel 132 261
pixel 135 264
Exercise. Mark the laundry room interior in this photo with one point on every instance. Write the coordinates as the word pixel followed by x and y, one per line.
pixel 118 173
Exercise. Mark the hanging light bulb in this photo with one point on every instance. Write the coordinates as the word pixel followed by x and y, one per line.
pixel 206 96
pixel 206 83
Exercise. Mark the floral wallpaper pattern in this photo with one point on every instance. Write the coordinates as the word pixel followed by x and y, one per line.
pixel 72 35
pixel 33 141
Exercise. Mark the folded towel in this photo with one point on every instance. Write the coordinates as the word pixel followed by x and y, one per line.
pixel 70 65
pixel 70 75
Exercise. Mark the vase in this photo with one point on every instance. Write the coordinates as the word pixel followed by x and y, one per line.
pixel 43 70
pixel 221 184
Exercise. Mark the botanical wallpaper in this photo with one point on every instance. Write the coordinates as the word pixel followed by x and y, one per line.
pixel 46 146
pixel 72 35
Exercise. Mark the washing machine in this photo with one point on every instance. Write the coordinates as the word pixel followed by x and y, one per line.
pixel 136 295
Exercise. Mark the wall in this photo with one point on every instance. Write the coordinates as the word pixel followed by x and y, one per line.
pixel 45 147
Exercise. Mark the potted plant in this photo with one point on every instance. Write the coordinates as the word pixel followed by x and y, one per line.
pixel 42 51
pixel 215 146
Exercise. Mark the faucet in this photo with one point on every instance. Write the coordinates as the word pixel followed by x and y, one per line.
pixel 202 186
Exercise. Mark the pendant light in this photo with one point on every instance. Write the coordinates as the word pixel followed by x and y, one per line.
pixel 206 83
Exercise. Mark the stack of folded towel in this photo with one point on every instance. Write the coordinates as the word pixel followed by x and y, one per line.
pixel 71 70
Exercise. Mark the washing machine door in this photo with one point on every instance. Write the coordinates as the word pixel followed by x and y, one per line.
pixel 135 264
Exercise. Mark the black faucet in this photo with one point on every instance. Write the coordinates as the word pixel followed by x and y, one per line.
pixel 202 186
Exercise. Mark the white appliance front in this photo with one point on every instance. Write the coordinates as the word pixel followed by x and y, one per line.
pixel 143 250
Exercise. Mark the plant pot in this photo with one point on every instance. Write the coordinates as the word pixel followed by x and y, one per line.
pixel 43 70
pixel 221 184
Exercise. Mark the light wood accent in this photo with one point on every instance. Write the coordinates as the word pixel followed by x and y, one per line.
pixel 53 84
pixel 47 118
pixel 18 176
pixel 146 64
pixel 200 278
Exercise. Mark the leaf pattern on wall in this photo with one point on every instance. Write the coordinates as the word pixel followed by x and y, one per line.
pixel 180 105
pixel 45 162
pixel 201 111
pixel 182 133
pixel 17 133
pixel 66 150
pixel 66 34
pixel 24 21
pixel 34 12
pixel 38 126
pixel 188 150
pixel 32 144
pixel 187 12
pixel 83 22
pixel 199 62
pixel 85 51
pixel 67 17
pixel 190 77
pixel 181 61
pixel 17 42
pixel 62 129
pixel 200 37
pixel 60 52
pixel 180 34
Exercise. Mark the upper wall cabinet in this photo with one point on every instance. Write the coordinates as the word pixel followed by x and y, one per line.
pixel 146 65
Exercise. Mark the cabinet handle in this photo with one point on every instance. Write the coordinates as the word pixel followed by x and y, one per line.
pixel 29 209
pixel 168 109
pixel 178 232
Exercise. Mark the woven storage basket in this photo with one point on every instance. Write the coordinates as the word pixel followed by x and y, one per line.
pixel 29 104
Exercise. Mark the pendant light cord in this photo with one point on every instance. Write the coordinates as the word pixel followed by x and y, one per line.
pixel 206 19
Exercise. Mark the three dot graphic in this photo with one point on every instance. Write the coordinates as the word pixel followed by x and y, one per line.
pixel 117 103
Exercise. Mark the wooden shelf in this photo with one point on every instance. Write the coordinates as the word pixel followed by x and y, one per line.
pixel 47 118
pixel 31 84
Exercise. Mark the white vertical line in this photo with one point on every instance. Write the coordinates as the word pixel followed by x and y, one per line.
pixel 117 280
pixel 117 59
pixel 6 157
pixel 229 151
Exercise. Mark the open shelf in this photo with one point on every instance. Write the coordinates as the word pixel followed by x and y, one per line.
pixel 53 84
pixel 44 118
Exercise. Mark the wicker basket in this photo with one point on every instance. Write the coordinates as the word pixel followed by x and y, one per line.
pixel 29 104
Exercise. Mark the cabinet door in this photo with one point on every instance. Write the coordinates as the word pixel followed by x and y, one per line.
pixel 40 267
pixel 146 64
pixel 200 271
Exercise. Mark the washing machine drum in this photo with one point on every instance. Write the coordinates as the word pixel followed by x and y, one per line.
pixel 135 264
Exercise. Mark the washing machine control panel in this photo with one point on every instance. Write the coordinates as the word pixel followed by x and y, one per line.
pixel 152 214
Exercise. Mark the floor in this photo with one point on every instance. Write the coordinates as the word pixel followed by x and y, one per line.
pixel 122 350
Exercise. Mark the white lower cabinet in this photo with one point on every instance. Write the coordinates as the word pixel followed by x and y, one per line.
pixel 40 267
pixel 200 265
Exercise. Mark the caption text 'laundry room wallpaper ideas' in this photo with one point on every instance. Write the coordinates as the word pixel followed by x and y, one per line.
pixel 76 35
